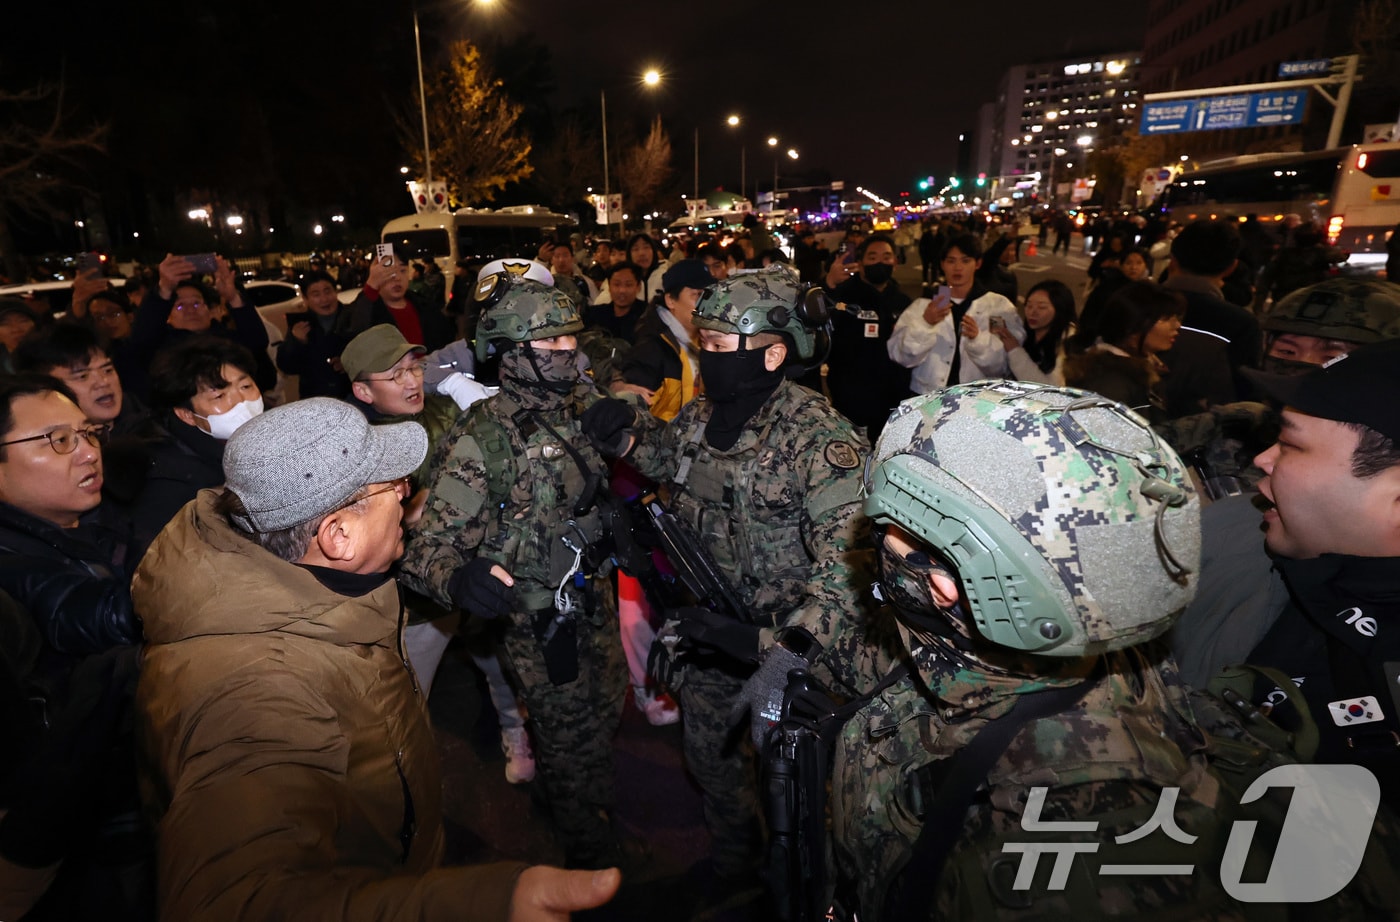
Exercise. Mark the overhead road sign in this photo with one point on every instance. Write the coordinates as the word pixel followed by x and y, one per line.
pixel 1212 113
pixel 1269 103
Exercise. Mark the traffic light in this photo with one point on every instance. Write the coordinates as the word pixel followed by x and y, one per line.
pixel 981 179
pixel 955 182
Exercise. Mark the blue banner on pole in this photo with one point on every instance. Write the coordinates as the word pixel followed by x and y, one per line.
pixel 1212 113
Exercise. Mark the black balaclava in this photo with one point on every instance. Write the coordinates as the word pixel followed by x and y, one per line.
pixel 738 384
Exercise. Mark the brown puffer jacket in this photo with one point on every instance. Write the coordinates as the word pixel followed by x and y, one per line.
pixel 286 753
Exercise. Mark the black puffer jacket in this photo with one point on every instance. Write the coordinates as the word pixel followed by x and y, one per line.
pixel 73 581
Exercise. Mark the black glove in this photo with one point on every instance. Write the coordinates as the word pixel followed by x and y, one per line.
pixel 702 629
pixel 476 591
pixel 607 424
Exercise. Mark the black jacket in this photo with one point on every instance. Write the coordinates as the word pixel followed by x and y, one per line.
pixel 151 335
pixel 365 312
pixel 865 383
pixel 654 356
pixel 159 475
pixel 75 582
pixel 1337 640
pixel 1235 328
pixel 310 361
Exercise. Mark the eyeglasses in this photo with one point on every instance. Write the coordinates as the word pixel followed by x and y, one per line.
pixel 401 376
pixel 64 439
pixel 400 486
pixel 192 306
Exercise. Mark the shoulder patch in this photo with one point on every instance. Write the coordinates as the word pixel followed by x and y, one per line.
pixel 842 455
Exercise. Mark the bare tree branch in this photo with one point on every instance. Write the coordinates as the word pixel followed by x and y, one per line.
pixel 39 150
pixel 569 164
pixel 645 168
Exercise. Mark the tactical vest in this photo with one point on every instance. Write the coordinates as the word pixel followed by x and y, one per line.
pixel 535 487
pixel 892 755
pixel 747 505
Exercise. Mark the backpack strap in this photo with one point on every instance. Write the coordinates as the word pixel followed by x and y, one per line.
pixel 966 771
pixel 498 454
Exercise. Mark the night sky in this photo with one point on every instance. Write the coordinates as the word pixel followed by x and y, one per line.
pixel 292 105
pixel 876 93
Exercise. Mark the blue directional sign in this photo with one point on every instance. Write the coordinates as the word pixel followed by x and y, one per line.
pixel 1214 112
pixel 1211 113
pixel 1304 68
pixel 1164 117
pixel 1277 108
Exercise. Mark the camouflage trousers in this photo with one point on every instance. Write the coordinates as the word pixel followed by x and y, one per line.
pixel 722 763
pixel 573 726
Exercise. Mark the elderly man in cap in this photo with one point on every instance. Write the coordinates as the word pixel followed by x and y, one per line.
pixel 1319 598
pixel 288 760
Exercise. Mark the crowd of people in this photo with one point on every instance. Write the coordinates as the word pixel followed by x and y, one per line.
pixel 999 554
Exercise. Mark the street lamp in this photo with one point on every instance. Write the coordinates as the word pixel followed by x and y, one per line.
pixel 423 94
pixel 733 122
pixel 1054 155
pixel 650 78
pixel 792 155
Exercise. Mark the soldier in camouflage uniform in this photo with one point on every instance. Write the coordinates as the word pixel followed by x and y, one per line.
pixel 1316 324
pixel 512 529
pixel 1303 330
pixel 1029 537
pixel 768 475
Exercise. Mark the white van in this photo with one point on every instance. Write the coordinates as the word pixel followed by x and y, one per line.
pixel 480 234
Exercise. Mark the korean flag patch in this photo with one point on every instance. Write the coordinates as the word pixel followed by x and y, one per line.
pixel 1351 711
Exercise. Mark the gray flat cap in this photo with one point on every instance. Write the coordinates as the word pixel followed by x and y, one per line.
pixel 297 462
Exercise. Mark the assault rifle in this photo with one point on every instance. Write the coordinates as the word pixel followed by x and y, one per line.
pixel 795 768
pixel 693 562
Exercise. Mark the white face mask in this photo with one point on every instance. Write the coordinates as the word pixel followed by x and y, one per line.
pixel 224 425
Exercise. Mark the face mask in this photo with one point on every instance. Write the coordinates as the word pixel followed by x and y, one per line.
pixel 878 273
pixel 731 375
pixel 555 370
pixel 224 425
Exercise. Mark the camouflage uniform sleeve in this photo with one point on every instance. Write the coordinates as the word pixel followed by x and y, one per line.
pixel 655 452
pixel 837 537
pixel 455 518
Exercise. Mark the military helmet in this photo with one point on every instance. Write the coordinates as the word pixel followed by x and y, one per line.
pixel 521 309
pixel 1072 528
pixel 1354 310
pixel 770 300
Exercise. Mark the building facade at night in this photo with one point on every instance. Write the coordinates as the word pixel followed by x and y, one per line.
pixel 1065 105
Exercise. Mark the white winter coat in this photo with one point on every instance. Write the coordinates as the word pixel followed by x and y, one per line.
pixel 928 350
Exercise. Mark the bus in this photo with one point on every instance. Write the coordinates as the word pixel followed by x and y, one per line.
pixel 476 234
pixel 1353 192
